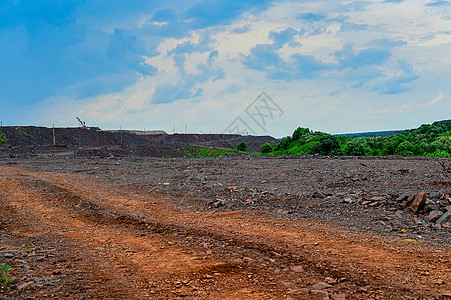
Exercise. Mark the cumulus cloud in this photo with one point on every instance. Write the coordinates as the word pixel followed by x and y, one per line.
pixel 220 54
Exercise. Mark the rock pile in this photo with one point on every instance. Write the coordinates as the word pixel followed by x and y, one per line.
pixel 432 207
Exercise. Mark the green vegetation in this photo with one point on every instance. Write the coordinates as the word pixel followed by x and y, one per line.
pixel 266 148
pixel 200 151
pixel 241 146
pixel 3 140
pixel 5 270
pixel 427 140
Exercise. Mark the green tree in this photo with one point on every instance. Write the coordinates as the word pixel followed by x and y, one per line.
pixel 404 148
pixel 328 143
pixel 311 148
pixel 299 132
pixel 354 147
pixel 266 148
pixel 241 146
pixel 284 143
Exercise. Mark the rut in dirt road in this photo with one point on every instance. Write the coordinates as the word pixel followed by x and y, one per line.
pixel 139 246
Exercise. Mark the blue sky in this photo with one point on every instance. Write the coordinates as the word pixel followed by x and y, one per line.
pixel 335 66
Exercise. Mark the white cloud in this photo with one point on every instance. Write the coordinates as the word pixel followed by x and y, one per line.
pixel 333 103
pixel 435 100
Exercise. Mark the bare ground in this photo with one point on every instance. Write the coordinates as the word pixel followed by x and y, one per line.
pixel 233 228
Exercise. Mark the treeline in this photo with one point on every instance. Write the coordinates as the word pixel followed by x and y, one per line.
pixel 427 140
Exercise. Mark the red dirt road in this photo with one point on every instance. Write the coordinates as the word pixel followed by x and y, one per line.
pixel 72 235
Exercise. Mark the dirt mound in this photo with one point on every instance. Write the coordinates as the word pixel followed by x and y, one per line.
pixel 38 139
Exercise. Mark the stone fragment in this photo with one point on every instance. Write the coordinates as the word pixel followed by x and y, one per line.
pixel 8 255
pixel 430 206
pixel 419 221
pixel 444 202
pixel 445 218
pixel 418 202
pixel 377 198
pixel 339 296
pixel 434 215
pixel 318 194
pixel 374 204
pixel 402 197
pixel 298 269
pixel 436 195
pixel 330 280
pixel 321 286
pixel 23 285
pixel 324 294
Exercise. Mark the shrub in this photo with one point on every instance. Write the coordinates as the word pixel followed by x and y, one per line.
pixel 241 146
pixel 266 148
pixel 3 140
pixel 441 153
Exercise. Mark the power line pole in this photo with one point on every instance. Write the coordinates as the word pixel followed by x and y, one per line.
pixel 54 140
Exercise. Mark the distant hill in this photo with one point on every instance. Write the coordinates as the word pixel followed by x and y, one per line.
pixel 373 133
pixel 443 121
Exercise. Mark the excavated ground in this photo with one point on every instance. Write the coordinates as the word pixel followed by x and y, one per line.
pixel 241 227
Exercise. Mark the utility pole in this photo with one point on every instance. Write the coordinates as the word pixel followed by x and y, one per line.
pixel 120 128
pixel 97 138
pixel 54 140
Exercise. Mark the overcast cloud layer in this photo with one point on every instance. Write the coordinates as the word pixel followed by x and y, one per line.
pixel 335 66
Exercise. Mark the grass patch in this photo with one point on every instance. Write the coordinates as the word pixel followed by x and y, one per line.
pixel 202 151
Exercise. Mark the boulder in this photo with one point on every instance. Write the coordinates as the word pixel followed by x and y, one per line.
pixel 434 215
pixel 444 218
pixel 418 202
pixel 430 205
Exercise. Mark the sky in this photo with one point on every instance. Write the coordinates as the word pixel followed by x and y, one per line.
pixel 254 67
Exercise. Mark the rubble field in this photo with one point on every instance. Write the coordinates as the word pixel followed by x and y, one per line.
pixel 234 227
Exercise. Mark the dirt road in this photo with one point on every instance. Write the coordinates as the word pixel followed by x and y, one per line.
pixel 77 235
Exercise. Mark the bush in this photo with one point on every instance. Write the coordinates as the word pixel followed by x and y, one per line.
pixel 354 148
pixel 266 148
pixel 241 146
pixel 284 143
pixel 3 140
pixel 441 153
